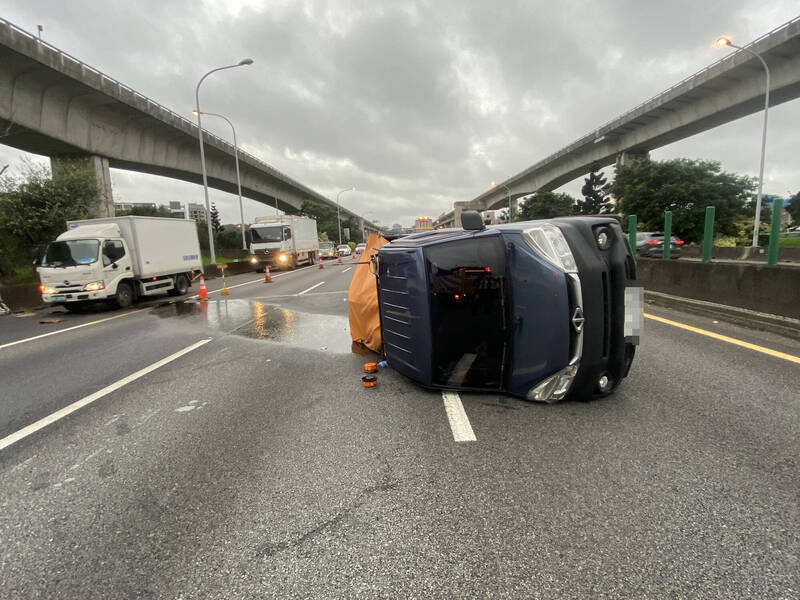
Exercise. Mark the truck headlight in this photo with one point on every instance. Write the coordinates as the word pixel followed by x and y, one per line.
pixel 253 260
pixel 283 258
pixel 94 286
pixel 46 289
pixel 549 243
pixel 555 387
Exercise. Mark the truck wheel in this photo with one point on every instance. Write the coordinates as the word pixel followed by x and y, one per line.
pixel 124 296
pixel 181 285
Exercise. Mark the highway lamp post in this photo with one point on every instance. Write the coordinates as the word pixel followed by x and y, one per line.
pixel 338 211
pixel 722 42
pixel 508 195
pixel 238 178
pixel 241 63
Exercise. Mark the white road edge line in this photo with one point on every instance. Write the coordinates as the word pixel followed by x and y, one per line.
pixel 459 422
pixel 311 288
pixel 60 414
pixel 347 269
pixel 44 335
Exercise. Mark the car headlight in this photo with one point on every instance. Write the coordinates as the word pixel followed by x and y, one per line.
pixel 46 289
pixel 555 387
pixel 549 243
pixel 93 286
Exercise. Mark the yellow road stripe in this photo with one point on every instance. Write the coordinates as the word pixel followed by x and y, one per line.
pixel 725 338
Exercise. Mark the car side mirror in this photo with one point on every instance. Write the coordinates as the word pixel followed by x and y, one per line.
pixel 471 221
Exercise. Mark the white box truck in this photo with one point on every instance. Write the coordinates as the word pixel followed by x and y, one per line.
pixel 283 242
pixel 118 259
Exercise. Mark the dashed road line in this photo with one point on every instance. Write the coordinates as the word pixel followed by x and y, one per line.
pixel 347 269
pixel 459 422
pixel 316 285
pixel 60 414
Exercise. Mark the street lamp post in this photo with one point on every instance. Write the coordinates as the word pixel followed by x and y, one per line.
pixel 508 195
pixel 724 41
pixel 241 63
pixel 338 212
pixel 238 179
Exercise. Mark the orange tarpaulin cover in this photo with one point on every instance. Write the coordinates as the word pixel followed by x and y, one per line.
pixel 365 324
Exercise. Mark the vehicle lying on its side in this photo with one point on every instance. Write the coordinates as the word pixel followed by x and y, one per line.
pixel 543 310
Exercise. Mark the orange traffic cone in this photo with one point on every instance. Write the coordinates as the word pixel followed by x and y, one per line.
pixel 267 276
pixel 321 266
pixel 202 293
pixel 339 260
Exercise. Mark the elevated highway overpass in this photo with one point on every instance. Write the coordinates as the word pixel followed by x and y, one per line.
pixel 731 88
pixel 53 104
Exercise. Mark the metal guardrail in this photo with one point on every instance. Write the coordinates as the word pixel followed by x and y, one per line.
pixel 597 131
pixel 121 86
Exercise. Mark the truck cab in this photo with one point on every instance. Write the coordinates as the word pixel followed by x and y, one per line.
pixel 84 264
pixel 271 245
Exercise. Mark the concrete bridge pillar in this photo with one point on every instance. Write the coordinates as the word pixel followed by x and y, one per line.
pixel 630 155
pixel 98 167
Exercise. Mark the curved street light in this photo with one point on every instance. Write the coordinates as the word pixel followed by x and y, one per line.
pixel 238 179
pixel 508 195
pixel 721 42
pixel 338 213
pixel 241 63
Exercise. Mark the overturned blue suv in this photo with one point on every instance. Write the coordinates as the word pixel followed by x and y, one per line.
pixel 543 310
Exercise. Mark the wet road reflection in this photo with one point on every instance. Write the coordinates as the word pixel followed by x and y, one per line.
pixel 256 320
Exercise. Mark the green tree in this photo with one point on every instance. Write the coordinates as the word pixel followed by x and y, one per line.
pixel 34 207
pixel 793 209
pixel 145 211
pixel 324 215
pixel 546 205
pixel 593 194
pixel 216 224
pixel 686 187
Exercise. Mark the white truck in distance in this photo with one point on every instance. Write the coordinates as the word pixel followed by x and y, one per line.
pixel 283 242
pixel 118 259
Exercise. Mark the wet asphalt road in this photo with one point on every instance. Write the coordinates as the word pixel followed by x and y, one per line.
pixel 257 466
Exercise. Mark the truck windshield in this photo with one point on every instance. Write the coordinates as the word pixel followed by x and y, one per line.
pixel 273 233
pixel 71 253
pixel 326 245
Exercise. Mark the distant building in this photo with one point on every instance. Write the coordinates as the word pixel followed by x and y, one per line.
pixel 197 212
pixel 177 209
pixel 423 224
pixel 494 217
pixel 132 205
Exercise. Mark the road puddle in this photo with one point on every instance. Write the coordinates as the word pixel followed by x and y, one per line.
pixel 259 321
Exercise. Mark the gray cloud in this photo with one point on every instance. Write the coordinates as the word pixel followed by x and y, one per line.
pixel 418 104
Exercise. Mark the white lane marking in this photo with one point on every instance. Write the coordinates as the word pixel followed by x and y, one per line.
pixel 347 269
pixel 44 335
pixel 459 422
pixel 60 414
pixel 311 288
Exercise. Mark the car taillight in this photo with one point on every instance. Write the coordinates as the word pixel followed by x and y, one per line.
pixel 679 242
pixel 652 242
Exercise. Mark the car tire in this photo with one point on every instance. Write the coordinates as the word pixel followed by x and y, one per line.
pixel 124 297
pixel 181 286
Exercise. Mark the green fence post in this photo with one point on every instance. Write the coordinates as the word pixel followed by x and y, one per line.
pixel 632 233
pixel 708 234
pixel 667 234
pixel 774 234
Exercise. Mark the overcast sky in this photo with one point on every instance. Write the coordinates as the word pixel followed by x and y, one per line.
pixel 417 104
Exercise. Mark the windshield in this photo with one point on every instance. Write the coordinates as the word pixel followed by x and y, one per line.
pixel 273 233
pixel 325 245
pixel 71 253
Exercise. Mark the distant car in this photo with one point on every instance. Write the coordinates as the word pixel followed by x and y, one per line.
pixel 360 248
pixel 344 250
pixel 327 250
pixel 651 243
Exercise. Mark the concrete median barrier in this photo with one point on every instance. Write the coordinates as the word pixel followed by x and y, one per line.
pixel 772 290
